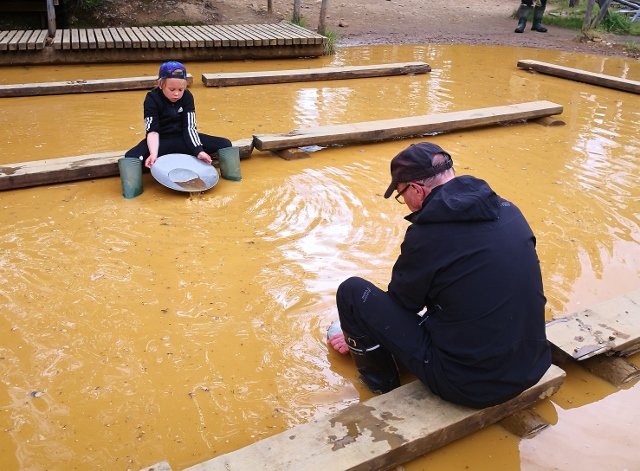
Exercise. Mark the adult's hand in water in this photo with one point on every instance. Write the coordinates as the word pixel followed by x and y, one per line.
pixel 338 343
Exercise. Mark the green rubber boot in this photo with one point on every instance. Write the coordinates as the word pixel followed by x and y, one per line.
pixel 229 159
pixel 523 14
pixel 537 20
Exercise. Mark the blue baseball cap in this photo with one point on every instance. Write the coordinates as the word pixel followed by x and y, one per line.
pixel 173 69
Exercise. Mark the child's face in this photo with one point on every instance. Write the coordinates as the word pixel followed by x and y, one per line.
pixel 173 88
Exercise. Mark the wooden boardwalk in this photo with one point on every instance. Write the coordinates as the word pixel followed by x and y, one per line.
pixel 158 43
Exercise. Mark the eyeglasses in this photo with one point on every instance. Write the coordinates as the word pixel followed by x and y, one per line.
pixel 400 198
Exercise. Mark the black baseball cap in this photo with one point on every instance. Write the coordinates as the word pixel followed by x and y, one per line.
pixel 415 163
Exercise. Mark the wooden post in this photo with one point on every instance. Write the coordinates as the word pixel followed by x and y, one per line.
pixel 51 17
pixel 270 6
pixel 296 12
pixel 587 15
pixel 323 13
pixel 604 6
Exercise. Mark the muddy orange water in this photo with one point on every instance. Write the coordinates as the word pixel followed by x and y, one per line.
pixel 177 327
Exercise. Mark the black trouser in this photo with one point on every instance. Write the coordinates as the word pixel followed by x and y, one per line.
pixel 174 144
pixel 530 3
pixel 365 309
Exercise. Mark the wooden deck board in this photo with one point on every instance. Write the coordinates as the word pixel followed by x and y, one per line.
pixel 41 40
pixel 208 40
pixel 579 75
pixel 609 327
pixel 68 169
pixel 306 75
pixel 215 33
pixel 81 86
pixel 381 433
pixel 373 131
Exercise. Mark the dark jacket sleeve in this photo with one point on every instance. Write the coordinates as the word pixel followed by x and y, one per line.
pixel 412 273
pixel 151 114
pixel 189 127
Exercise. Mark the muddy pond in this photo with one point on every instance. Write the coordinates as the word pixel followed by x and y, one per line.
pixel 180 327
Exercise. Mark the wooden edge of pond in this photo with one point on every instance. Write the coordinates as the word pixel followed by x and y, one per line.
pixel 373 131
pixel 380 433
pixel 309 75
pixel 579 75
pixel 81 167
pixel 81 86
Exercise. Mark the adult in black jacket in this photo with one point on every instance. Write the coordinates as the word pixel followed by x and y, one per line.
pixel 469 258
pixel 170 121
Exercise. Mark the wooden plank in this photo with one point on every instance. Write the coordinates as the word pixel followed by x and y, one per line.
pixel 615 370
pixel 233 41
pixel 524 424
pixel 57 39
pixel 196 35
pixel 612 326
pixel 109 40
pixel 208 40
pixel 314 38
pixel 146 41
pixel 117 39
pixel 219 39
pixel 309 75
pixel 269 36
pixel 66 39
pixel 373 131
pixel 127 43
pixel 379 434
pixel 82 38
pixel 91 38
pixel 101 42
pixel 13 42
pixel 81 86
pixel 41 39
pixel 579 75
pixel 23 42
pixel 68 169
pixel 253 38
pixel 5 38
pixel 186 38
pixel 152 34
pixel 295 38
pixel 75 39
pixel 292 154
pixel 136 43
pixel 169 40
pixel 240 32
pixel 259 36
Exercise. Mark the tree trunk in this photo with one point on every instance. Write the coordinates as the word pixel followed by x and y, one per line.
pixel 587 15
pixel 604 8
pixel 51 17
pixel 296 12
pixel 323 13
pixel 270 6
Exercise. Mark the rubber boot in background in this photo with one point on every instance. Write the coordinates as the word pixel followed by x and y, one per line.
pixel 537 20
pixel 523 14
pixel 377 368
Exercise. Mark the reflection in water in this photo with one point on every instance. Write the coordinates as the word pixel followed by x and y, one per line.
pixel 179 328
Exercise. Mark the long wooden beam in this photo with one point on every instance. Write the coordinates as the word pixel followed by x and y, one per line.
pixel 379 434
pixel 68 169
pixel 372 131
pixel 309 75
pixel 81 86
pixel 579 75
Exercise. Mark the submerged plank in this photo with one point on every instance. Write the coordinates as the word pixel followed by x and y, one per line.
pixel 609 327
pixel 309 75
pixel 371 131
pixel 67 169
pixel 81 86
pixel 579 75
pixel 379 434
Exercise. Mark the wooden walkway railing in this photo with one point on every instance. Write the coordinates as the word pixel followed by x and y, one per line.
pixel 153 43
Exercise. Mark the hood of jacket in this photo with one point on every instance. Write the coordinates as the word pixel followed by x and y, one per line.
pixel 461 199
